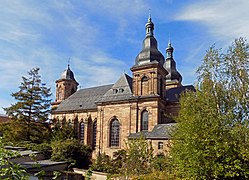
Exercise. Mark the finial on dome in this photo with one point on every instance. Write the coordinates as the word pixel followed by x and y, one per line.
pixel 68 63
pixel 149 26
pixel 149 19
pixel 169 50
pixel 169 42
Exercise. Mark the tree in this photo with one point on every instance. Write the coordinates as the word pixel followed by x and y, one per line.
pixel 211 139
pixel 30 112
pixel 72 151
pixel 63 131
pixel 138 158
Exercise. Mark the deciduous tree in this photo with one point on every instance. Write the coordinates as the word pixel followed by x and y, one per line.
pixel 211 139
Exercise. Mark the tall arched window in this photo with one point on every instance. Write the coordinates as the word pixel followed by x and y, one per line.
pixel 144 86
pixel 144 121
pixel 94 134
pixel 114 132
pixel 82 130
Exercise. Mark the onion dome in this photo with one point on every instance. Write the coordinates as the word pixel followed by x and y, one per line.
pixel 170 66
pixel 68 74
pixel 149 53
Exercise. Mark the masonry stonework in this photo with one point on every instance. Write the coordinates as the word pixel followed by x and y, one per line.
pixel 106 117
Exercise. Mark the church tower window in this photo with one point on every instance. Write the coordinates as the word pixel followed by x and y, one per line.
pixel 144 121
pixel 144 86
pixel 114 133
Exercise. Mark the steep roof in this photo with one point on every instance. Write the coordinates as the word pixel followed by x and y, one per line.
pixel 68 74
pixel 160 131
pixel 83 99
pixel 173 94
pixel 121 90
pixel 170 66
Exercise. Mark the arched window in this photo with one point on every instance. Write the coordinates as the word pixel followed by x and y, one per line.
pixel 144 86
pixel 144 121
pixel 82 130
pixel 94 134
pixel 114 132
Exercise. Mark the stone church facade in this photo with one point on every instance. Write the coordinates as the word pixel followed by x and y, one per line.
pixel 105 117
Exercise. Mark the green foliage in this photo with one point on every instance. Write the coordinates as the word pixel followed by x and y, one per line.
pixel 105 164
pixel 31 110
pixel 119 158
pixel 63 132
pixel 89 174
pixel 156 175
pixel 9 170
pixel 160 162
pixel 72 151
pixel 210 141
pixel 139 157
pixel 135 160
pixel 56 174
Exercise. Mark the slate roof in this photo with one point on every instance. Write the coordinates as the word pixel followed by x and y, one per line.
pixel 160 131
pixel 4 118
pixel 83 99
pixel 173 94
pixel 68 74
pixel 121 90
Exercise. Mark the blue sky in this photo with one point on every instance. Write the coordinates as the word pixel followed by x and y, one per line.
pixel 103 37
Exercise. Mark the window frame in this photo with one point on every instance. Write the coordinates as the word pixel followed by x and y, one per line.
pixel 94 137
pixel 144 120
pixel 114 140
pixel 160 145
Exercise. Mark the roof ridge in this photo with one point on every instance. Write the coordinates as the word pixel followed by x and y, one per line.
pixel 96 86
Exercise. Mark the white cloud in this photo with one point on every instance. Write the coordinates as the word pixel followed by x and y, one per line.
pixel 225 19
pixel 99 69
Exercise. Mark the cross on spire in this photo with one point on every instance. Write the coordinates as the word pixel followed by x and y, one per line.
pixel 149 26
pixel 68 63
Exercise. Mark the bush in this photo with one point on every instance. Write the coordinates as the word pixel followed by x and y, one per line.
pixel 16 131
pixel 103 163
pixel 64 132
pixel 72 151
pixel 160 162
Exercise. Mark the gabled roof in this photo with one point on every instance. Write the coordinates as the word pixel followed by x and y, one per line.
pixel 160 131
pixel 173 94
pixel 83 99
pixel 121 90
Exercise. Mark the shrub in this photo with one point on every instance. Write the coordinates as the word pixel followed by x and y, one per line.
pixel 72 151
pixel 103 163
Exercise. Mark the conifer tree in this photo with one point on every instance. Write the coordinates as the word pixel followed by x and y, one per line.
pixel 211 139
pixel 31 111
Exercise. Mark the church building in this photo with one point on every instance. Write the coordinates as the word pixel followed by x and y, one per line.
pixel 105 117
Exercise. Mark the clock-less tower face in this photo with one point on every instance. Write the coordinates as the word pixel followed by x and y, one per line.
pixel 148 71
pixel 66 85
